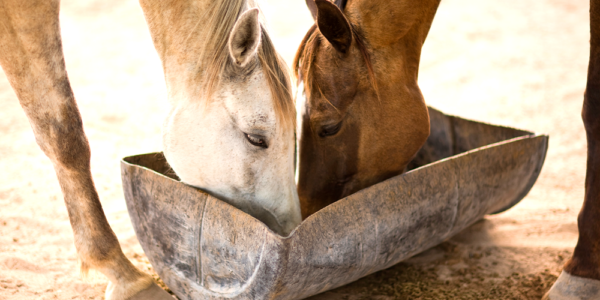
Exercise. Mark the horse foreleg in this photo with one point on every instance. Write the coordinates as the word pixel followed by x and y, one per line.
pixel 580 278
pixel 31 55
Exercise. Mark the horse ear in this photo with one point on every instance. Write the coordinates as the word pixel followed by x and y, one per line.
pixel 312 6
pixel 334 25
pixel 245 38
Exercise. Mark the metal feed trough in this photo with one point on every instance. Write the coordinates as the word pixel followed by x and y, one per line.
pixel 204 248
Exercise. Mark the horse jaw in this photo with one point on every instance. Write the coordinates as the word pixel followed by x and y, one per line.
pixel 205 144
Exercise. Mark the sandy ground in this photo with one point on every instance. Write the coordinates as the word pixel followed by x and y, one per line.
pixel 520 63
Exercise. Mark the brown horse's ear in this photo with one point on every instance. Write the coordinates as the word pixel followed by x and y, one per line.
pixel 334 25
pixel 312 7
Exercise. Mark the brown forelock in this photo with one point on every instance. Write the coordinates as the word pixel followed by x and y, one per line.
pixel 301 52
pixel 306 53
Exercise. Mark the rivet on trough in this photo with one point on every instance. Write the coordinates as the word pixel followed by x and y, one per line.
pixel 204 248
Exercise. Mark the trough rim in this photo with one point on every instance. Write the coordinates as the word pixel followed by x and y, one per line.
pixel 532 181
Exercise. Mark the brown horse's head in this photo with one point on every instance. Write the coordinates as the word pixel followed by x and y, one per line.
pixel 364 117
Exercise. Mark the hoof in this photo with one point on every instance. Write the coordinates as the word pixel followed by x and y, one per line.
pixel 569 287
pixel 154 292
pixel 151 292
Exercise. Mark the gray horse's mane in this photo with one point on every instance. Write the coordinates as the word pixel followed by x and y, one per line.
pixel 219 20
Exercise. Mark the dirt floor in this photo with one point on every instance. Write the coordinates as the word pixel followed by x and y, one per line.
pixel 520 63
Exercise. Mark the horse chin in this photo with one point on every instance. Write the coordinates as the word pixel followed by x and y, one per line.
pixel 346 185
pixel 281 221
pixel 314 198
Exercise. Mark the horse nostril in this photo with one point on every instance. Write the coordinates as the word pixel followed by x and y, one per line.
pixel 344 180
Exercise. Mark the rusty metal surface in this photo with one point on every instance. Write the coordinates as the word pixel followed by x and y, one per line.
pixel 204 248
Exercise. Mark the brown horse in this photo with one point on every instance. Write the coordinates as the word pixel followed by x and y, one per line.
pixel 365 117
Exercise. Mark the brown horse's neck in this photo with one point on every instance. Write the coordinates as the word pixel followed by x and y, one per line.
pixel 398 58
pixel 396 68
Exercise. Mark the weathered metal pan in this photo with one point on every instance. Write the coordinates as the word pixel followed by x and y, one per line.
pixel 204 248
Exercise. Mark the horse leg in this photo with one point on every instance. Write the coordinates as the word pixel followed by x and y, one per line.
pixel 31 55
pixel 580 278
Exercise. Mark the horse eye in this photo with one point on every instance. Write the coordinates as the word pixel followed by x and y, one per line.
pixel 256 140
pixel 329 130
